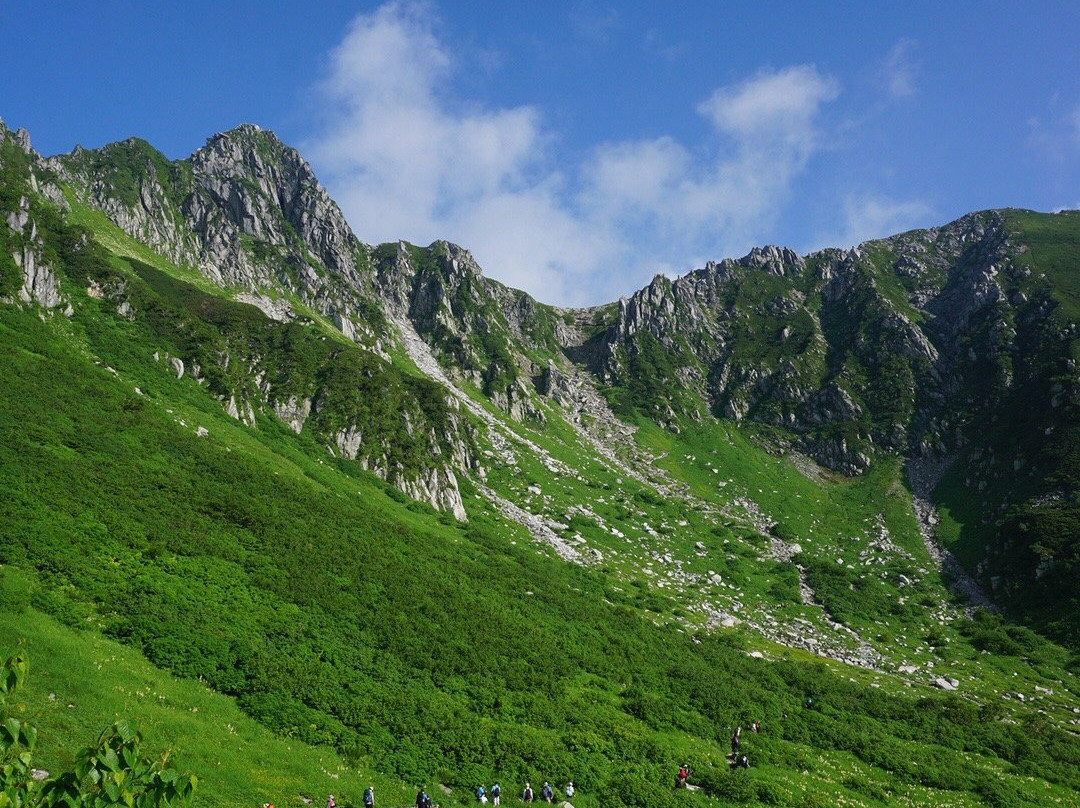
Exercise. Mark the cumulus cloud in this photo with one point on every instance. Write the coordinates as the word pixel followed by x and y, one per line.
pixel 407 159
pixel 898 69
pixel 867 216
pixel 765 132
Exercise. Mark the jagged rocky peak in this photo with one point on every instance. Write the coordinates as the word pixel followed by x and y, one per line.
pixel 245 210
pixel 774 260
pixel 20 137
pixel 651 308
pixel 261 184
pixel 456 262
pixel 20 229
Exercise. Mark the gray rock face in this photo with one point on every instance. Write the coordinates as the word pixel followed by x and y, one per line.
pixel 478 329
pixel 245 210
pixel 246 183
pixel 851 351
pixel 279 310
pixel 39 283
pixel 294 413
pixel 439 488
pixel 774 260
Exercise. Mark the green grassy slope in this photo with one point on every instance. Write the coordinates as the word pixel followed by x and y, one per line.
pixel 80 682
pixel 338 614
pixel 422 649
pixel 1011 500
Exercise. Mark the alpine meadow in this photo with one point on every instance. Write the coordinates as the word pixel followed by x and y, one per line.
pixel 285 514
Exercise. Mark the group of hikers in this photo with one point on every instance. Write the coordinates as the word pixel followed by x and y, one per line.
pixel 547 793
pixel 484 795
pixel 735 759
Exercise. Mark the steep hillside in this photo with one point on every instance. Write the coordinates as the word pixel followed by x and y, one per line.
pixel 389 505
pixel 954 344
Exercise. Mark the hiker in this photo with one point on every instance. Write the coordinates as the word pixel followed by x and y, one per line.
pixel 496 792
pixel 735 741
pixel 481 795
pixel 527 794
pixel 809 703
pixel 743 762
pixel 330 802
pixel 547 792
pixel 756 726
pixel 422 799
pixel 681 777
pixel 569 789
pixel 369 797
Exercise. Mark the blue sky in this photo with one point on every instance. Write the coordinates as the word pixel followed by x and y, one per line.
pixel 578 148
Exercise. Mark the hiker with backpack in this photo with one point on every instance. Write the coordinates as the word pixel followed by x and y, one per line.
pixel 422 799
pixel 369 797
pixel 547 792
pixel 682 776
pixel 481 794
pixel 527 794
pixel 496 794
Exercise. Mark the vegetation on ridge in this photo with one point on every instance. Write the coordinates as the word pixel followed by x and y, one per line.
pixel 340 614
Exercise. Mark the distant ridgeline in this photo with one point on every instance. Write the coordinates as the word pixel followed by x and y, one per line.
pixel 316 473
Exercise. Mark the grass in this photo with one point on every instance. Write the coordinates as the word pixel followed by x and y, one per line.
pixel 342 616
pixel 1053 241
pixel 470 668
pixel 81 682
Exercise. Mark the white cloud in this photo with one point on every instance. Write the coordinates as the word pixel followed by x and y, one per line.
pixel 766 131
pixel 774 105
pixel 899 71
pixel 867 216
pixel 1055 135
pixel 406 159
pixel 591 22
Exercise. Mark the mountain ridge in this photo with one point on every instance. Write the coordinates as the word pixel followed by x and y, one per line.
pixel 457 533
pixel 905 345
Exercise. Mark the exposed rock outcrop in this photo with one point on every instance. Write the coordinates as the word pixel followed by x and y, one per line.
pixel 39 283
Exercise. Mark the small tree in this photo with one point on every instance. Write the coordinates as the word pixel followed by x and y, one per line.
pixel 111 772
pixel 17 740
